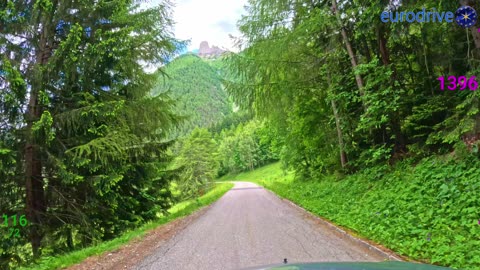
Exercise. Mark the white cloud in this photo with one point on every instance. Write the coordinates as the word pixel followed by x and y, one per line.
pixel 209 20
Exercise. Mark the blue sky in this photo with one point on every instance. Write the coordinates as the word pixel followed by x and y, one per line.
pixel 210 20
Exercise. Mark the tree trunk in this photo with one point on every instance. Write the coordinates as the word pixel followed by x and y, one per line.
pixel 400 141
pixel 35 195
pixel 474 29
pixel 476 36
pixel 368 53
pixel 35 198
pixel 382 44
pixel 70 243
pixel 351 53
pixel 343 155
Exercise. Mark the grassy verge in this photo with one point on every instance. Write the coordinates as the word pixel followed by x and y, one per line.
pixel 177 211
pixel 430 212
pixel 269 172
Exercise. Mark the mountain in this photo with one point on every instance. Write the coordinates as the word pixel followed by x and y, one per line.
pixel 206 51
pixel 196 85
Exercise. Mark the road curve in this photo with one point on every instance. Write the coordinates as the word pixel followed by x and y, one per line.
pixel 250 226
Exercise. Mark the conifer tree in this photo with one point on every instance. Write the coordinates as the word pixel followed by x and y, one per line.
pixel 78 130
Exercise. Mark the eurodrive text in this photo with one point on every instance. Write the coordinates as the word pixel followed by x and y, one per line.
pixel 420 16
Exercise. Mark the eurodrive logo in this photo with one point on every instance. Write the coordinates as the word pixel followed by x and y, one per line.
pixel 465 16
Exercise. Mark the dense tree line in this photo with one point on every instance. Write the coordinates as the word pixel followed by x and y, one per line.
pixel 342 89
pixel 245 147
pixel 82 145
pixel 202 156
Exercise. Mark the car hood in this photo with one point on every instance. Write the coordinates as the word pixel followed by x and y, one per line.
pixel 351 266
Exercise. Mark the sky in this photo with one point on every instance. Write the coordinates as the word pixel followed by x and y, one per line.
pixel 207 20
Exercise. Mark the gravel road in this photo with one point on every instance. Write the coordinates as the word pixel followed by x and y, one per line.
pixel 249 226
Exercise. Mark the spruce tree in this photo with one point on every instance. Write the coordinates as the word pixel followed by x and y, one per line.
pixel 79 133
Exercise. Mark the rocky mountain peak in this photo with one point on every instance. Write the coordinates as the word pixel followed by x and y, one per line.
pixel 206 51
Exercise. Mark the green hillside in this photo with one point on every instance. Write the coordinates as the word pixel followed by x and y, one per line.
pixel 196 85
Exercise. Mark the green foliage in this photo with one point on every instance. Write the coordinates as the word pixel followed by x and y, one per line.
pixel 198 159
pixel 338 80
pixel 245 147
pixel 80 137
pixel 231 121
pixel 197 86
pixel 267 172
pixel 43 127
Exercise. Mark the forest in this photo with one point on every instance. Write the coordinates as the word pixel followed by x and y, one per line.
pixel 92 145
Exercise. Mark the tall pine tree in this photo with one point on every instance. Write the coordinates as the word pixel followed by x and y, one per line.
pixel 79 133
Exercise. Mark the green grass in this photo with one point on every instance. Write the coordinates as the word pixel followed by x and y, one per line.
pixel 429 213
pixel 270 172
pixel 180 210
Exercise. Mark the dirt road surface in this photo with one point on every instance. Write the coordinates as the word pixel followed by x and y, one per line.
pixel 250 226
